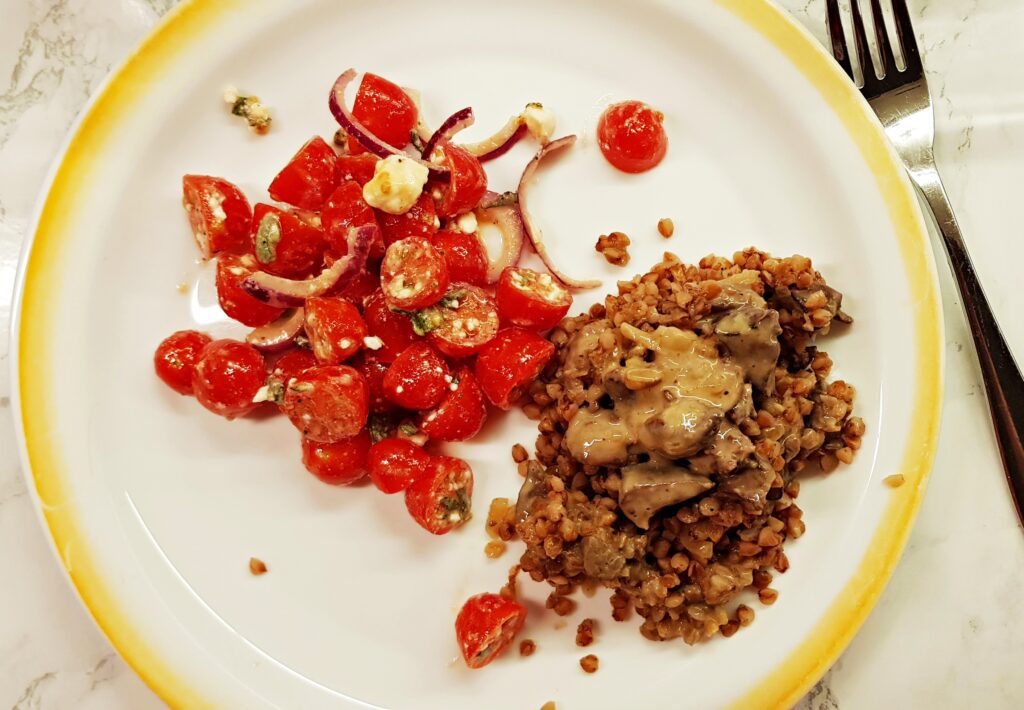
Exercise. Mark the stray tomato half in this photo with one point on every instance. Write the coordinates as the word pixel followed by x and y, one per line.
pixel 419 221
pixel 467 184
pixel 508 365
pixel 328 403
pixel 227 377
pixel 334 328
pixel 465 321
pixel 308 178
pixel 631 136
pixel 413 274
pixel 530 299
pixel 385 110
pixel 485 627
pixel 218 213
pixel 340 463
pixel 234 300
pixel 394 329
pixel 290 364
pixel 396 463
pixel 176 357
pixel 441 499
pixel 346 208
pixel 285 244
pixel 373 370
pixel 418 378
pixel 359 168
pixel 462 412
pixel 463 255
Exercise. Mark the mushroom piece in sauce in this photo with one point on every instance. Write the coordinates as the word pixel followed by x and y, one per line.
pixel 649 487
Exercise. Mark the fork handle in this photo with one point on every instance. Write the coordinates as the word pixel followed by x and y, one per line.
pixel 1004 385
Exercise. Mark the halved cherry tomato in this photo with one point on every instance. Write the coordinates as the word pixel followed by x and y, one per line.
pixel 631 136
pixel 509 364
pixel 234 300
pixel 364 285
pixel 531 300
pixel 467 184
pixel 385 110
pixel 418 378
pixel 463 255
pixel 346 208
pixel 413 274
pixel 440 500
pixel 359 168
pixel 308 178
pixel 227 376
pixel 218 213
pixel 290 364
pixel 176 357
pixel 466 320
pixel 394 330
pixel 373 371
pixel 327 403
pixel 419 221
pixel 286 244
pixel 340 463
pixel 395 463
pixel 485 627
pixel 334 328
pixel 462 412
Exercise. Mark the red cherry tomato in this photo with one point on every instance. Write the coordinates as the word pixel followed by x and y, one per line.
pixel 413 274
pixel 509 364
pixel 334 328
pixel 385 110
pixel 631 136
pixel 485 627
pixel 288 365
pixel 234 300
pixel 466 322
pixel 373 370
pixel 340 463
pixel 218 213
pixel 286 244
pixel 346 208
pixel 227 376
pixel 463 255
pixel 176 357
pixel 360 288
pixel 327 403
pixel 419 221
pixel 440 500
pixel 359 168
pixel 418 378
pixel 467 184
pixel 461 414
pixel 395 463
pixel 308 178
pixel 531 300
pixel 394 330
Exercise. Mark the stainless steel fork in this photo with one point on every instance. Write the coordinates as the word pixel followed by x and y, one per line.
pixel 900 98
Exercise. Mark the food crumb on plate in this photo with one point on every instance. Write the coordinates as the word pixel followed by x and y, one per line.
pixel 182 288
pixel 519 453
pixel 589 663
pixel 666 228
pixel 527 647
pixel 894 481
pixel 250 108
pixel 494 549
pixel 613 247
pixel 767 596
pixel 257 566
pixel 549 705
pixel 585 633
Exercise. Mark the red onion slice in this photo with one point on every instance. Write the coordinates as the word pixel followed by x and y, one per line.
pixel 460 120
pixel 498 144
pixel 532 231
pixel 506 218
pixel 362 134
pixel 279 334
pixel 280 292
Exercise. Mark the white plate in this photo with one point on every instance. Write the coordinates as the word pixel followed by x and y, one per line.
pixel 155 506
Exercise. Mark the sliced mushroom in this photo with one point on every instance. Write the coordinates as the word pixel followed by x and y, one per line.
pixel 531 490
pixel 750 486
pixel 730 448
pixel 649 487
pixel 681 429
pixel 751 336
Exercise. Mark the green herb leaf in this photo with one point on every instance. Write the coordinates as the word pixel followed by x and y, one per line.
pixel 426 320
pixel 268 235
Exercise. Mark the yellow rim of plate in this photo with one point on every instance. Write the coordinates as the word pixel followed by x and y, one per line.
pixel 193 19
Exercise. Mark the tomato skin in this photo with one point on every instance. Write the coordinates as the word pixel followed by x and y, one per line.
pixel 234 300
pixel 345 208
pixel 218 213
pixel 631 136
pixel 396 463
pixel 308 178
pixel 464 330
pixel 227 376
pixel 461 414
pixel 340 463
pixel 327 403
pixel 418 378
pixel 413 274
pixel 463 255
pixel 373 370
pixel 287 365
pixel 359 168
pixel 531 300
pixel 360 288
pixel 467 184
pixel 485 627
pixel 508 364
pixel 334 328
pixel 285 244
pixel 385 110
pixel 440 500
pixel 176 356
pixel 419 221
pixel 394 329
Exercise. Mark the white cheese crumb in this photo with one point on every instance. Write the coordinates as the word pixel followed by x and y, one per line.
pixel 372 342
pixel 396 185
pixel 262 395
pixel 399 389
pixel 467 223
pixel 540 122
pixel 345 343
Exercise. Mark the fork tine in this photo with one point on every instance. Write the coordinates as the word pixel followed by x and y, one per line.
pixel 905 29
pixel 834 20
pixel 860 38
pixel 885 54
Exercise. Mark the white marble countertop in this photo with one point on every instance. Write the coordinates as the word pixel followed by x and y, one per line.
pixel 949 629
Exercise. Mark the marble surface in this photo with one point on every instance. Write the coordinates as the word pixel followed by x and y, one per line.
pixel 949 629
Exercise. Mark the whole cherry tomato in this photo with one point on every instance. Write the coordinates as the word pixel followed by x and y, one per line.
pixel 385 110
pixel 631 136
pixel 289 364
pixel 394 330
pixel 413 274
pixel 531 300
pixel 340 463
pixel 308 178
pixel 176 357
pixel 227 377
pixel 419 221
pixel 467 184
pixel 334 328
pixel 508 365
pixel 234 300
pixel 441 499
pixel 464 322
pixel 218 213
pixel 485 627
pixel 463 255
pixel 418 378
pixel 462 412
pixel 373 370
pixel 328 403
pixel 395 463
pixel 285 244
